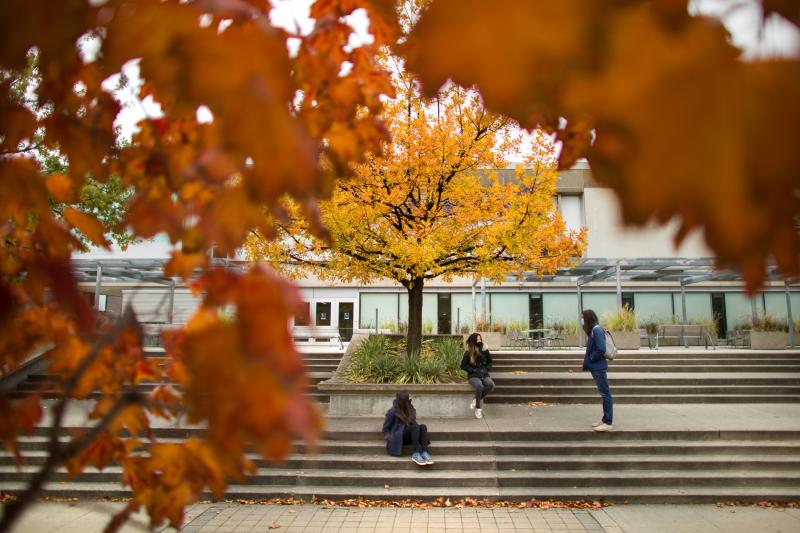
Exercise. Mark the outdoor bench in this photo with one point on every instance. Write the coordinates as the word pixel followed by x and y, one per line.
pixel 684 332
pixel 317 334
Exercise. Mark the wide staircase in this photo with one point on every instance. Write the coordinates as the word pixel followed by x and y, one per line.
pixel 319 365
pixel 516 454
pixel 650 376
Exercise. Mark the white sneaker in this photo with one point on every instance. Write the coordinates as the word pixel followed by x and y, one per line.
pixel 604 427
pixel 478 413
pixel 472 404
pixel 595 424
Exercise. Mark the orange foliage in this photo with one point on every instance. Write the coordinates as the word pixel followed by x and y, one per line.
pixel 282 124
pixel 684 128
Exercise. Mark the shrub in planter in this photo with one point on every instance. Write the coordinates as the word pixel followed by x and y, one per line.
pixel 623 327
pixel 769 333
pixel 381 359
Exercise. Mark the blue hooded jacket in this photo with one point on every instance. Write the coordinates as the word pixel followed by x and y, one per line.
pixel 595 358
pixel 393 427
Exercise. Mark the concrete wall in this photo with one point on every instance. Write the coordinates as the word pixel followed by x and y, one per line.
pixel 609 238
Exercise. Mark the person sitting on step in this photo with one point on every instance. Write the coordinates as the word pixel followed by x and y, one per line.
pixel 400 428
pixel 477 363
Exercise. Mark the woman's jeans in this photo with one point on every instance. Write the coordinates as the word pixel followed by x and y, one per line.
pixel 416 435
pixel 601 380
pixel 482 387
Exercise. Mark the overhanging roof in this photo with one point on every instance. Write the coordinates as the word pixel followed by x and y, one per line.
pixel 676 270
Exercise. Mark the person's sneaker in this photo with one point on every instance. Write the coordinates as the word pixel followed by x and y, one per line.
pixel 472 404
pixel 595 424
pixel 478 413
pixel 604 427
pixel 417 458
pixel 428 458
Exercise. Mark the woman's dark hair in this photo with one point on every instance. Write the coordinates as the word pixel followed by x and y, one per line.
pixel 589 321
pixel 472 347
pixel 403 407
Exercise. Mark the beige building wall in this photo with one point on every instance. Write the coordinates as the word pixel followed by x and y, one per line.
pixel 609 238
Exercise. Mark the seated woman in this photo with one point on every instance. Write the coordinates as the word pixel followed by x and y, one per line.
pixel 400 428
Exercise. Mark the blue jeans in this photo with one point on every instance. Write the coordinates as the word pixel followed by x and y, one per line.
pixel 601 380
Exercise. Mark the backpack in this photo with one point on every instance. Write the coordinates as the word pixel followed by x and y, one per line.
pixel 611 348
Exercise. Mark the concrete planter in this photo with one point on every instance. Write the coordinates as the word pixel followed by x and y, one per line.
pixel 768 340
pixel 492 340
pixel 374 399
pixel 626 340
pixel 571 340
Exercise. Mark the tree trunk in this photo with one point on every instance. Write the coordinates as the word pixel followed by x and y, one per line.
pixel 414 337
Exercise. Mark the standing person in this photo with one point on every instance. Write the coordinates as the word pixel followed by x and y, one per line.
pixel 595 362
pixel 477 363
pixel 400 428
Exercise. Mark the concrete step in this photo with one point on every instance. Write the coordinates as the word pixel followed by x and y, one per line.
pixel 435 476
pixel 653 355
pixel 491 492
pixel 747 445
pixel 619 367
pixel 337 434
pixel 541 463
pixel 656 388
pixel 581 378
pixel 500 397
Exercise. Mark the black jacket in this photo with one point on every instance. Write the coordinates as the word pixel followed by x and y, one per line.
pixel 482 366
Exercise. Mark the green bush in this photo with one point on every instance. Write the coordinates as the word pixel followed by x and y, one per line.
pixel 622 320
pixel 375 360
pixel 450 350
pixel 379 359
pixel 427 327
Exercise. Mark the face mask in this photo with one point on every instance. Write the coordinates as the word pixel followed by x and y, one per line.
pixel 479 345
pixel 581 322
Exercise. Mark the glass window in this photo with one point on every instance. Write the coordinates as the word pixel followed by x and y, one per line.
pixel 571 212
pixel 559 307
pixel 775 303
pixel 600 302
pixel 654 307
pixel 384 303
pixel 461 310
pixel 698 306
pixel 739 308
pixel 430 307
pixel 508 308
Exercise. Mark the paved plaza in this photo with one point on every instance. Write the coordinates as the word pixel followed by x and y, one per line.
pixel 87 517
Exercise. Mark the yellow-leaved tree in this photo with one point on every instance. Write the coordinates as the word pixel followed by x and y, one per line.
pixel 431 206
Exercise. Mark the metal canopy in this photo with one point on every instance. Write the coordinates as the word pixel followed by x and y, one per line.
pixel 676 270
pixel 132 270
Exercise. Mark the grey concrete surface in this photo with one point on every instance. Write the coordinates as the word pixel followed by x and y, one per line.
pixel 87 517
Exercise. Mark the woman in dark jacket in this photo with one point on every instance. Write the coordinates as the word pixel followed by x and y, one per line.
pixel 594 361
pixel 400 428
pixel 477 363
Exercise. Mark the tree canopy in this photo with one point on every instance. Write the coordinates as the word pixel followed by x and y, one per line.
pixel 431 205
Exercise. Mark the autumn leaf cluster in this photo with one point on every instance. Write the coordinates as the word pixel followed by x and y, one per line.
pixel 283 124
pixel 660 102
